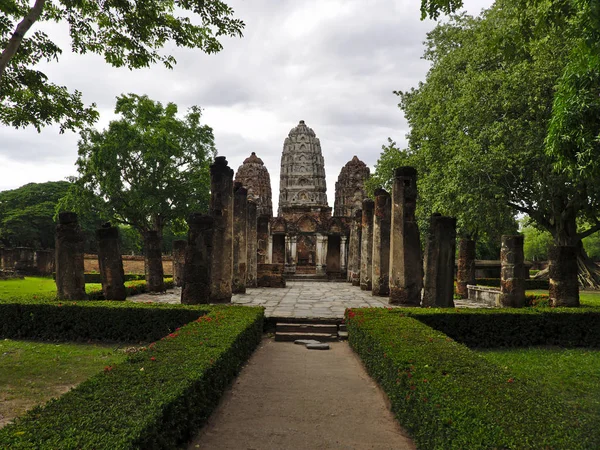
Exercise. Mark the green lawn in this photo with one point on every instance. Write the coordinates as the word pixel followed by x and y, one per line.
pixel 572 374
pixel 586 298
pixel 32 373
pixel 29 286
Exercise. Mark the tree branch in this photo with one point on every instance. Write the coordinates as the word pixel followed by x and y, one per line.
pixel 533 214
pixel 589 231
pixel 17 37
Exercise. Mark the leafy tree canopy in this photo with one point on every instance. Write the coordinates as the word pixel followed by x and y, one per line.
pixel 127 33
pixel 149 169
pixel 480 121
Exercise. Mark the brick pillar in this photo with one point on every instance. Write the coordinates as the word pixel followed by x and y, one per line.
pixel 198 256
pixel 366 245
pixel 263 238
pixel 354 249
pixel 240 238
pixel 221 210
pixel 512 272
pixel 562 268
pixel 438 283
pixel 466 266
pixel 70 280
pixel 23 260
pixel 44 262
pixel 252 244
pixel 179 247
pixel 153 264
pixel 381 243
pixel 110 263
pixel 406 267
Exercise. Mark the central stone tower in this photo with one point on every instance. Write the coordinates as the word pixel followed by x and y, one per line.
pixel 302 187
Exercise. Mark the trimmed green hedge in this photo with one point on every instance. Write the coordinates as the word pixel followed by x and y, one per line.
pixel 134 287
pixel 449 397
pixel 86 320
pixel 529 284
pixel 565 327
pixel 157 399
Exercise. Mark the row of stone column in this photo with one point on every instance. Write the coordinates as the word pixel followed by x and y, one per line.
pixel 222 253
pixel 385 255
pixel 27 260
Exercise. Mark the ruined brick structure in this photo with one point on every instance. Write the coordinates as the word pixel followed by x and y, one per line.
pixel 349 189
pixel 254 176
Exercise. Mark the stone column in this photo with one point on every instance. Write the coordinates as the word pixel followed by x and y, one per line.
pixel 110 263
pixel 197 269
pixel 381 243
pixel 252 244
pixel 466 266
pixel 264 240
pixel 153 264
pixel 289 262
pixel 354 249
pixel 179 246
pixel 240 238
pixel 366 245
pixel 343 245
pixel 23 260
pixel 44 262
pixel 406 267
pixel 438 284
pixel 321 254
pixel 512 275
pixel 269 255
pixel 69 245
pixel 221 210
pixel 562 268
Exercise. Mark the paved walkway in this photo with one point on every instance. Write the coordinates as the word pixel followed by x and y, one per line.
pixel 288 397
pixel 300 299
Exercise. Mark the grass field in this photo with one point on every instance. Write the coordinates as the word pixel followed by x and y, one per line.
pixel 586 298
pixel 32 373
pixel 29 286
pixel 571 374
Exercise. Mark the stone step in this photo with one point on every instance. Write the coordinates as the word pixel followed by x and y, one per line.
pixel 343 335
pixel 306 328
pixel 291 337
pixel 342 327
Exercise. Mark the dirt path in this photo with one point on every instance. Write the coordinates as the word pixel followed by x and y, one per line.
pixel 288 397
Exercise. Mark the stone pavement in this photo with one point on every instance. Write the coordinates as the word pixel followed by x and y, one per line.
pixel 288 397
pixel 301 299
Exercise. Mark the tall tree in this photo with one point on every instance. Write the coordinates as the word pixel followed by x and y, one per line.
pixel 479 123
pixel 148 169
pixel 128 33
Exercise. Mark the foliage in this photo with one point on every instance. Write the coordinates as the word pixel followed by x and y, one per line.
pixel 592 246
pixel 147 169
pixel 449 397
pixel 26 214
pixel 125 34
pixel 132 287
pixel 157 399
pixel 479 123
pixel 433 8
pixel 535 243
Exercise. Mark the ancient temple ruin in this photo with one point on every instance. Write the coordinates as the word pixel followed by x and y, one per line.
pixel 305 238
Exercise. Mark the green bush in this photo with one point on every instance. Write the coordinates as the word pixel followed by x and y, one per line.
pixel 449 397
pixel 529 284
pixel 134 287
pixel 83 321
pixel 157 399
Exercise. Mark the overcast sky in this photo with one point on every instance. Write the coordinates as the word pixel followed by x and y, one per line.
pixel 331 63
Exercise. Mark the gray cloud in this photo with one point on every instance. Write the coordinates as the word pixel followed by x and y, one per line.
pixel 333 64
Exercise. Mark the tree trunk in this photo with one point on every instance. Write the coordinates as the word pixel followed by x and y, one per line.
pixel 153 261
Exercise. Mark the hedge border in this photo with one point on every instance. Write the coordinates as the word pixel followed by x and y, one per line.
pixel 158 398
pixel 449 397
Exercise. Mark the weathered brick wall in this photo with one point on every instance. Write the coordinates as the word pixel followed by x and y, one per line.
pixel 131 264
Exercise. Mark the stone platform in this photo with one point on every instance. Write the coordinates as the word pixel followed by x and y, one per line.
pixel 301 299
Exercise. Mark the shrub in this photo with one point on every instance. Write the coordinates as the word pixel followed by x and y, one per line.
pixel 448 397
pixel 158 398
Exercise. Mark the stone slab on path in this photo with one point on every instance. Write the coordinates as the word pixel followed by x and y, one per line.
pixel 289 398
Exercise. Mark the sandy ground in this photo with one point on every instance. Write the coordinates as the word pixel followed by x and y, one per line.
pixel 288 397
